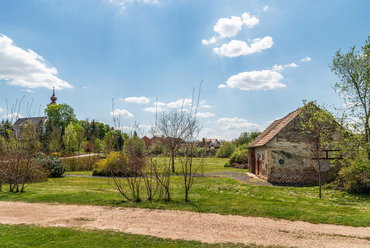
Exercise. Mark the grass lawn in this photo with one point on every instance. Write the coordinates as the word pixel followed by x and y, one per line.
pixel 210 165
pixel 31 236
pixel 212 194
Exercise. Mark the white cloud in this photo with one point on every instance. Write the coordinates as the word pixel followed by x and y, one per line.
pixel 121 113
pixel 278 67
pixel 250 21
pixel 255 80
pixel 13 116
pixel 212 40
pixel 228 27
pixel 26 68
pixel 222 86
pixel 180 103
pixel 30 91
pixel 154 109
pixel 85 88
pixel 305 59
pixel 204 105
pixel 291 65
pixel 237 48
pixel 233 124
pixel 2 110
pixel 265 8
pixel 205 115
pixel 282 67
pixel 142 99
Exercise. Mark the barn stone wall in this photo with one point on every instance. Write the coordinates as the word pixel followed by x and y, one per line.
pixel 287 158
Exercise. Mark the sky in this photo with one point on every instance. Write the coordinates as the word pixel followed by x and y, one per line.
pixel 257 60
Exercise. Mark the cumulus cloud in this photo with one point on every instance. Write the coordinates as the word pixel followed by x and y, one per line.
pixel 234 124
pixel 2 110
pixel 255 80
pixel 265 8
pixel 205 115
pixel 291 65
pixel 26 68
pixel 121 113
pixel 142 99
pixel 237 48
pixel 228 27
pixel 180 103
pixel 305 59
pixel 212 40
pixel 250 21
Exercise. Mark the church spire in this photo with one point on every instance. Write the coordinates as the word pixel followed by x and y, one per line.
pixel 53 98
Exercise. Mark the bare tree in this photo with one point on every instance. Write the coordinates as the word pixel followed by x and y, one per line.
pixel 20 166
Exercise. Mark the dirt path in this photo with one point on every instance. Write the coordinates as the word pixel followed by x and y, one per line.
pixel 210 228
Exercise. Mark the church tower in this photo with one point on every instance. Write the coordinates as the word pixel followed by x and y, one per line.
pixel 53 98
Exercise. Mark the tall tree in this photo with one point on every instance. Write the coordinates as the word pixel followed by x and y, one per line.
pixel 353 70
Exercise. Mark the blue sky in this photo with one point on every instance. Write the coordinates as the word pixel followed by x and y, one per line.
pixel 258 59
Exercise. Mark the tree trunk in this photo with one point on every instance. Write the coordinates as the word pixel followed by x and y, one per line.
pixel 173 163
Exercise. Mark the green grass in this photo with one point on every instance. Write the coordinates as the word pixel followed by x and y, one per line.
pixel 210 165
pixel 31 236
pixel 213 195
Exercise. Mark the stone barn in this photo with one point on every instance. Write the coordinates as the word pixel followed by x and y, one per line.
pixel 280 154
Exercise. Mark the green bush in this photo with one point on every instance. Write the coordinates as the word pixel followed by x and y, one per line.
pixel 81 163
pixel 227 164
pixel 53 165
pixel 240 155
pixel 354 178
pixel 225 150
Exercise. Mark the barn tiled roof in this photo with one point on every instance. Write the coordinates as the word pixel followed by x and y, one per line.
pixel 35 120
pixel 274 129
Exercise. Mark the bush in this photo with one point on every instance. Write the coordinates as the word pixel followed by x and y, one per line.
pixel 116 164
pixel 56 154
pixel 227 164
pixel 88 147
pixel 53 165
pixel 240 155
pixel 354 178
pixel 225 150
pixel 81 163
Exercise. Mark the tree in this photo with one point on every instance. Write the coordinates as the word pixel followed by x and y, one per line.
pixel 318 124
pixel 353 70
pixel 174 127
pixel 246 138
pixel 60 115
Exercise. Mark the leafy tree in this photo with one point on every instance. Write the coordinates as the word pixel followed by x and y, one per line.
pixel 60 115
pixel 246 138
pixel 319 126
pixel 353 70
pixel 225 150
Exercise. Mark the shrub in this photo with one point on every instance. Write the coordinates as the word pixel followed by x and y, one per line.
pixel 354 178
pixel 81 163
pixel 225 150
pixel 88 147
pixel 227 164
pixel 116 164
pixel 240 155
pixel 53 165
pixel 56 154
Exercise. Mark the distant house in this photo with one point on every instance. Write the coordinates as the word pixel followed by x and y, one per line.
pixel 39 122
pixel 149 142
pixel 209 143
pixel 280 153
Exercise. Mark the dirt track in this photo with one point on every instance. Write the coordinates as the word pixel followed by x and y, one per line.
pixel 210 228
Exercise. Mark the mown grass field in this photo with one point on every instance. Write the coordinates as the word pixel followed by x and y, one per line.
pixel 213 195
pixel 32 236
